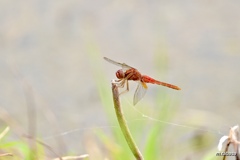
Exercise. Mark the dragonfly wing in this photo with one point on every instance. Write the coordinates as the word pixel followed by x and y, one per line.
pixel 123 65
pixel 140 92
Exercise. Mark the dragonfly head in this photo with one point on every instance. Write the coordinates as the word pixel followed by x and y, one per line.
pixel 120 74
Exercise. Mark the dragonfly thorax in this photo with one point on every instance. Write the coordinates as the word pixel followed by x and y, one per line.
pixel 120 74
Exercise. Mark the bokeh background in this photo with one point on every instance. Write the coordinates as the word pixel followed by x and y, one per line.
pixel 51 59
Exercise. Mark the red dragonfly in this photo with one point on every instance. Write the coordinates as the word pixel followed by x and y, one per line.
pixel 128 73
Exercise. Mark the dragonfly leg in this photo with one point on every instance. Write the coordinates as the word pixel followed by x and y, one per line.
pixel 120 83
pixel 127 89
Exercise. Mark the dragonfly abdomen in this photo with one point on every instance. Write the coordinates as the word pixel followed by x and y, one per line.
pixel 153 81
pixel 168 85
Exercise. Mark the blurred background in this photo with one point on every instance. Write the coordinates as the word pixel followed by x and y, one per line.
pixel 56 85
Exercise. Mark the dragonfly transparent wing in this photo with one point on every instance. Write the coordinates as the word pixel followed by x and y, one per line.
pixel 140 92
pixel 123 65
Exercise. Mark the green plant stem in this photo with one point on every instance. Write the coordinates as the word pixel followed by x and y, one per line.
pixel 123 124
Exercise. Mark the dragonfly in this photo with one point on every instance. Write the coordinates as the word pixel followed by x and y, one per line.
pixel 128 73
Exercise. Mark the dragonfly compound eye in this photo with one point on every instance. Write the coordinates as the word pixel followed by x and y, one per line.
pixel 120 74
